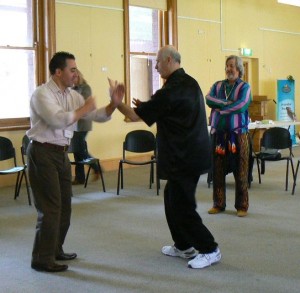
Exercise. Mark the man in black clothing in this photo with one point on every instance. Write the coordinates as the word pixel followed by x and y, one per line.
pixel 184 154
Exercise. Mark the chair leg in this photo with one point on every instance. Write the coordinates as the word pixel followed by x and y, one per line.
pixel 122 178
pixel 293 169
pixel 151 176
pixel 152 173
pixel 87 176
pixel 209 178
pixel 17 192
pixel 295 177
pixel 289 160
pixel 101 175
pixel 287 174
pixel 250 170
pixel 119 178
pixel 18 185
pixel 157 182
pixel 263 167
pixel 27 188
pixel 258 170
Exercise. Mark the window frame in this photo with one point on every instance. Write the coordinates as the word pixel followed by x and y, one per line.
pixel 169 22
pixel 44 45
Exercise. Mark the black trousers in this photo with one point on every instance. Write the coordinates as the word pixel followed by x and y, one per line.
pixel 185 224
pixel 79 138
pixel 49 173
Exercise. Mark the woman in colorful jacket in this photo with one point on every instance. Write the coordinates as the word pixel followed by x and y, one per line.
pixel 229 101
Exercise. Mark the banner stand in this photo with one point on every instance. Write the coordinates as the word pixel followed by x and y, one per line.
pixel 286 104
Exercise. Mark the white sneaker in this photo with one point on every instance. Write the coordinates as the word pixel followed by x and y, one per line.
pixel 205 260
pixel 173 251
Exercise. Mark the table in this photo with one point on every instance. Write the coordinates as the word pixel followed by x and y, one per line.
pixel 260 125
pixel 257 129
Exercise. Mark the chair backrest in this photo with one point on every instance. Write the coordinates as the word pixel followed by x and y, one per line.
pixel 7 150
pixel 25 143
pixel 139 141
pixel 276 138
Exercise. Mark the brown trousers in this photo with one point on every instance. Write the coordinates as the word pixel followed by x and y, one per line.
pixel 50 178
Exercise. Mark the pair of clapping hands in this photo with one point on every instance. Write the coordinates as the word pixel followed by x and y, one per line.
pixel 116 92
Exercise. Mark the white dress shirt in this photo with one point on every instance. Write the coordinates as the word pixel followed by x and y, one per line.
pixel 52 112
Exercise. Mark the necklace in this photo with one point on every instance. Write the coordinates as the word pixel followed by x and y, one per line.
pixel 227 96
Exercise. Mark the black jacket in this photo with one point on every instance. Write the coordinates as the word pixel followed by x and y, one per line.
pixel 183 141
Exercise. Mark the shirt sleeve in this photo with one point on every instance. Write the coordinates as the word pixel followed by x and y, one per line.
pixel 241 104
pixel 98 115
pixel 52 111
pixel 213 99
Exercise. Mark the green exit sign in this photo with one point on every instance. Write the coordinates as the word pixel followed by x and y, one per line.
pixel 246 52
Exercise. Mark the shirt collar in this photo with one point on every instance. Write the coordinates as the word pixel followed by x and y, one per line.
pixel 178 72
pixel 54 87
pixel 237 81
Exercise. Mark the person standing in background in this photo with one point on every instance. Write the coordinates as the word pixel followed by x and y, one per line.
pixel 229 100
pixel 55 109
pixel 79 137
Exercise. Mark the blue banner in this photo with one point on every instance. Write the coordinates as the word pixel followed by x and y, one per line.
pixel 286 104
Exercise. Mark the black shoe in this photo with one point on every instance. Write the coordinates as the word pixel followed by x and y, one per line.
pixel 66 256
pixel 51 268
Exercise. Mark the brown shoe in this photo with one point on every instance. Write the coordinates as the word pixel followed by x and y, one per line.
pixel 96 176
pixel 241 213
pixel 215 210
pixel 76 182
pixel 51 268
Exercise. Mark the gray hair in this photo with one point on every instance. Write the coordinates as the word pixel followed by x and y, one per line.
pixel 172 52
pixel 238 62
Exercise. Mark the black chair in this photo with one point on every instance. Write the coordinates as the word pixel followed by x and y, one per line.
pixel 139 141
pixel 279 139
pixel 295 177
pixel 8 153
pixel 25 143
pixel 87 162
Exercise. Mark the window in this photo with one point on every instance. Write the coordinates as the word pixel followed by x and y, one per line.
pixel 290 2
pixel 148 26
pixel 23 56
pixel 144 32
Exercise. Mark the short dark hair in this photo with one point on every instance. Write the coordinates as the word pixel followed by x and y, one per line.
pixel 59 61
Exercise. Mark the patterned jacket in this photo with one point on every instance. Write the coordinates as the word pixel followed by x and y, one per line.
pixel 229 117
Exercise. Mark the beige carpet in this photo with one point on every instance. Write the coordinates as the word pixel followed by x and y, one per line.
pixel 118 240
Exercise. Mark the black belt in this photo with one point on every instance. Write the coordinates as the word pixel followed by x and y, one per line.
pixel 60 148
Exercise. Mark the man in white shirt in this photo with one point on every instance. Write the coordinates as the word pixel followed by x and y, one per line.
pixel 55 109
